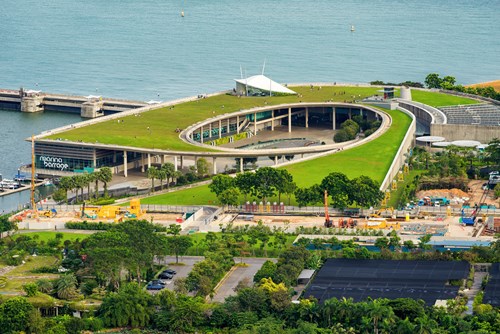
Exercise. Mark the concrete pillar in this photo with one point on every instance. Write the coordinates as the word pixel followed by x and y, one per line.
pixel 163 159
pixel 228 123
pixel 275 160
pixel 125 171
pixel 182 161
pixel 142 162
pixel 333 118
pixel 272 120
pixel 94 159
pixel 201 134
pixel 91 109
pixel 114 157
pixel 195 160
pixel 210 130
pixel 289 119
pixel 214 163
pixel 175 163
pixel 350 113
pixel 220 128
pixel 237 124
pixel 307 117
pixel 241 165
pixel 31 103
pixel 254 123
pixel 149 160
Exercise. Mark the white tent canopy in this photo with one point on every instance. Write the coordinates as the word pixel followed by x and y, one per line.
pixel 262 83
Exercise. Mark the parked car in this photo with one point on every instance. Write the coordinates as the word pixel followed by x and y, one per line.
pixel 155 286
pixel 169 271
pixel 164 275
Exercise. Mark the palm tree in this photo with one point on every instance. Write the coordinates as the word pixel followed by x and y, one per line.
pixel 152 174
pixel 79 183
pixel 377 312
pixel 66 286
pixel 66 184
pixel 161 175
pixel 105 176
pixel 169 169
pixel 90 179
pixel 45 285
pixel 424 325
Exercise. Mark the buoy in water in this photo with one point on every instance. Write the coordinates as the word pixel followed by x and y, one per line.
pixel 182 14
pixel 352 29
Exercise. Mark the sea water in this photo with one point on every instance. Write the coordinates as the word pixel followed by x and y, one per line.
pixel 145 50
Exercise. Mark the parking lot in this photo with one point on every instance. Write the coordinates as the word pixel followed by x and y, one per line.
pixel 182 270
pixel 237 274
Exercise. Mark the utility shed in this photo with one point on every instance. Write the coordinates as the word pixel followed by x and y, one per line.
pixel 305 276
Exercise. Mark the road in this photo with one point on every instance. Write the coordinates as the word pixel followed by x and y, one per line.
pixel 237 274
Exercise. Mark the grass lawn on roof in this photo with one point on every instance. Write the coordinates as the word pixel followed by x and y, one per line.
pixel 372 159
pixel 162 123
pixel 435 99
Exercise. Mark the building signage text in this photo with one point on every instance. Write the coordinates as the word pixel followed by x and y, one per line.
pixel 53 163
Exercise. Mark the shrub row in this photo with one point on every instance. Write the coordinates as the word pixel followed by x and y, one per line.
pixel 100 226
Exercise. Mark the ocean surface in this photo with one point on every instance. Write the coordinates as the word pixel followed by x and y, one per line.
pixel 145 50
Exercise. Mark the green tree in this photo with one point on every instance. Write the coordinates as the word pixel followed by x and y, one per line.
pixel 131 306
pixel 338 187
pixel 268 178
pixel 221 183
pixel 284 183
pixel 493 152
pixel 66 287
pixel 152 174
pixel 202 167
pixel 365 192
pixel 378 311
pixel 169 170
pixel 174 229
pixel 229 196
pixel 143 242
pixel 6 225
pixel 161 174
pixel 245 183
pixel 178 245
pixel 433 80
pixel 14 315
pixel 105 176
pixel 66 184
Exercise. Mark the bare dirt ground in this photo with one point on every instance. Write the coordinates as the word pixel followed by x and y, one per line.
pixel 457 196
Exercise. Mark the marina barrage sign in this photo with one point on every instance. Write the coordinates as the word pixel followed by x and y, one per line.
pixel 53 163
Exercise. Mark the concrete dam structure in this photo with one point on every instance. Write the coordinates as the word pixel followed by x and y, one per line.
pixel 91 106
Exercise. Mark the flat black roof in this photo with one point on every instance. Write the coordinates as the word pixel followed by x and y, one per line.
pixel 492 290
pixel 360 279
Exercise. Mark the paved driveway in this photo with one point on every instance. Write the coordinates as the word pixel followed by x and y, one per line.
pixel 237 274
pixel 182 270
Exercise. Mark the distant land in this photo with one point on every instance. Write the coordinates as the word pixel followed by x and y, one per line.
pixel 495 84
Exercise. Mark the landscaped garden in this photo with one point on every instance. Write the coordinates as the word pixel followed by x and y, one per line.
pixel 157 128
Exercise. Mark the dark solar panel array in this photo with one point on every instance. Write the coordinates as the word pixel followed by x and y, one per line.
pixel 492 290
pixel 359 279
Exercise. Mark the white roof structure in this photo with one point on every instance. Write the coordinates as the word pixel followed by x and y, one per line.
pixel 429 139
pixel 441 144
pixel 466 143
pixel 264 83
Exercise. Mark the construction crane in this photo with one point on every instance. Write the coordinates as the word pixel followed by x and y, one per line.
pixel 328 221
pixel 33 170
pixel 471 220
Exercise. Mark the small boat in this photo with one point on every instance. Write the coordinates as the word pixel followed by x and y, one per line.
pixel 352 28
pixel 9 184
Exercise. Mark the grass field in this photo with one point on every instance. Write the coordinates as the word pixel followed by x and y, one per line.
pixel 162 123
pixel 22 274
pixel 438 99
pixel 46 236
pixel 372 159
